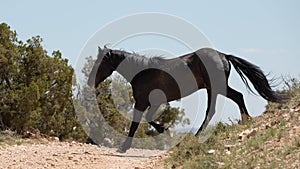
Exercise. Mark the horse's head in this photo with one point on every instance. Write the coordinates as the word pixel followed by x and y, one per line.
pixel 107 62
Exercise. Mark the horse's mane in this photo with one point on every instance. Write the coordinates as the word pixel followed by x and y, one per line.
pixel 141 60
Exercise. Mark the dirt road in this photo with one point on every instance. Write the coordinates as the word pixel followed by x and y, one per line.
pixel 77 155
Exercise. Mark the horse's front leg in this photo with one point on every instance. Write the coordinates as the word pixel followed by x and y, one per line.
pixel 137 116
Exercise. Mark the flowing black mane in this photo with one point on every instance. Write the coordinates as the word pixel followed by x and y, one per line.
pixel 159 62
pixel 141 60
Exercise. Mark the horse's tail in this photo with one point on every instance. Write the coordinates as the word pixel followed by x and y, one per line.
pixel 257 78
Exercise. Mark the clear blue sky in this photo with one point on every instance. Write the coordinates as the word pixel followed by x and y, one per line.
pixel 263 32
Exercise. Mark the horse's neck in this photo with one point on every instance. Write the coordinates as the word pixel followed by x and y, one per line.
pixel 128 69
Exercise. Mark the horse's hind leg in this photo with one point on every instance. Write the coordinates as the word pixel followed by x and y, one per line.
pixel 149 117
pixel 210 111
pixel 238 98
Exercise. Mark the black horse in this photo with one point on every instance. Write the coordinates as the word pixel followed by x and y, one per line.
pixel 156 80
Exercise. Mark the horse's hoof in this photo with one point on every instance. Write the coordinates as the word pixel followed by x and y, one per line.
pixel 120 150
pixel 163 128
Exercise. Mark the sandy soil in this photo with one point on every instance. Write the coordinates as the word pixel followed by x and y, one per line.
pixel 77 155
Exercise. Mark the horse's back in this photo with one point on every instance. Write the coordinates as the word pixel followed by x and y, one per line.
pixel 213 59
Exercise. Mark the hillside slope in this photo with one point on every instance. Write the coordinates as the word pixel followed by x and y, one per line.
pixel 271 140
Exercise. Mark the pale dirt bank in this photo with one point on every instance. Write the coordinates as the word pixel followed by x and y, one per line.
pixel 77 155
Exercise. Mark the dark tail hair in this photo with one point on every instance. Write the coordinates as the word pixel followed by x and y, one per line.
pixel 257 78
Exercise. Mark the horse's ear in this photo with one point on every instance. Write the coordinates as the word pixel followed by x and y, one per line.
pixel 105 46
pixel 100 52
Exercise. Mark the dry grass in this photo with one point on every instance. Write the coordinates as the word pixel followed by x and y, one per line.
pixel 273 143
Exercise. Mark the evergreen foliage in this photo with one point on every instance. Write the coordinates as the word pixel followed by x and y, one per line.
pixel 35 88
pixel 36 94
